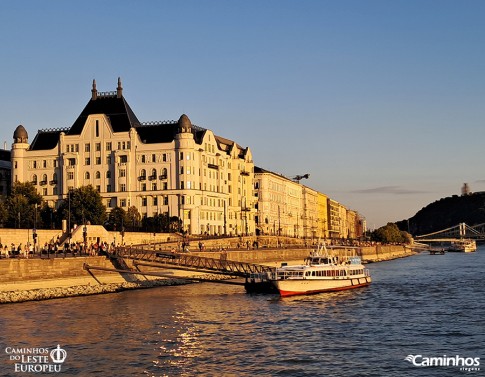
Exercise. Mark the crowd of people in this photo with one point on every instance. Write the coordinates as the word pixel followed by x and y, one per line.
pixel 55 248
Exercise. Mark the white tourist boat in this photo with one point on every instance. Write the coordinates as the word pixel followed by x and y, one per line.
pixel 322 272
pixel 463 245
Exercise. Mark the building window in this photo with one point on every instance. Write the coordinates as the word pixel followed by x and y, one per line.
pixel 98 147
pixel 164 157
pixel 122 187
pixel 155 200
pixel 154 158
pixel 34 179
pixel 98 160
pixel 108 188
pixel 165 185
pixel 70 175
pixel 87 147
pixel 108 160
pixel 97 128
pixel 86 175
pixel 143 159
pixel 144 202
pixel 44 192
pixel 122 202
pixel 154 187
pixel 98 175
pixel 44 163
pixel 122 173
pixel 108 146
pixel 98 188
pixel 181 156
pixel 71 161
pixel 34 165
pixel 124 159
pixel 181 185
pixel 165 200
pixel 108 174
pixel 143 187
pixel 87 161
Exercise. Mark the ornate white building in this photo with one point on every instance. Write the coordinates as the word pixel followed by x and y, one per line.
pixel 169 167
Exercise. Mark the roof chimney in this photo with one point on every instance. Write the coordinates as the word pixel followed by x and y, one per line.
pixel 119 89
pixel 94 92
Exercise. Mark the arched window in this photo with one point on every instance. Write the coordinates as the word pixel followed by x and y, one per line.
pixel 143 174
pixel 54 177
pixel 98 175
pixel 164 173
pixel 86 175
pixel 34 179
pixel 108 174
pixel 154 172
pixel 44 178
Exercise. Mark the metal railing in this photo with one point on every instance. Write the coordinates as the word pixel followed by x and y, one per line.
pixel 192 262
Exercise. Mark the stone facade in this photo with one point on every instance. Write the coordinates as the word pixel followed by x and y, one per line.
pixel 171 167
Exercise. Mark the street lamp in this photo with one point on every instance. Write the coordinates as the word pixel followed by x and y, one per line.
pixel 69 216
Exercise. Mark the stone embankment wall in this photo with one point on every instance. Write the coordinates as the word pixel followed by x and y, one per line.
pixel 39 279
pixel 369 254
pixel 81 290
pixel 19 269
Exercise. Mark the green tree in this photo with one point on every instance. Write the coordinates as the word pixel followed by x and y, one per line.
pixel 3 212
pixel 84 205
pixel 117 219
pixel 134 218
pixel 390 233
pixel 47 217
pixel 22 205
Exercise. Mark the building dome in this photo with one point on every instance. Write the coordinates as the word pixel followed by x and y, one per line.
pixel 184 124
pixel 20 135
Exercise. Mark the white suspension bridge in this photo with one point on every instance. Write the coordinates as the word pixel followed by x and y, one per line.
pixel 460 231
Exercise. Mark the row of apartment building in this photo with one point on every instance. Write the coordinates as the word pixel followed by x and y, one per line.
pixel 174 167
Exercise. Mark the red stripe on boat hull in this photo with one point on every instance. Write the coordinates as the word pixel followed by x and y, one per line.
pixel 291 293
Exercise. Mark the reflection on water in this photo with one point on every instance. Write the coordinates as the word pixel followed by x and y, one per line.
pixel 429 305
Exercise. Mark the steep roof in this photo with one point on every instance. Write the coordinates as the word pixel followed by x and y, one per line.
pixel 121 115
pixel 46 139
pixel 122 119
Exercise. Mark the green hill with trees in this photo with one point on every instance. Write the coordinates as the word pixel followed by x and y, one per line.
pixel 445 213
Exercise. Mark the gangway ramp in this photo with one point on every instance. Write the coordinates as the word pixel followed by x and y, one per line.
pixel 187 261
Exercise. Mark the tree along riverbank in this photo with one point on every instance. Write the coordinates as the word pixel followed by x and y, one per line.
pixel 39 279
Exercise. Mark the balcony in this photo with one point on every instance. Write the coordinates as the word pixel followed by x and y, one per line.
pixel 152 177
pixel 213 166
pixel 43 183
pixel 142 178
pixel 163 176
pixel 244 172
pixel 34 182
pixel 53 182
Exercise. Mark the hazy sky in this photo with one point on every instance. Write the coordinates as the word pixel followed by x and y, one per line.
pixel 382 102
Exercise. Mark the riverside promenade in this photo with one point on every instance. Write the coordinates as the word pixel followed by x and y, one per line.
pixel 40 279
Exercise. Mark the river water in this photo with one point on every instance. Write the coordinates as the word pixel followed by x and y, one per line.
pixel 421 305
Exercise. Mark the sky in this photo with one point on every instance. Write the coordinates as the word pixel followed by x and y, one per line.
pixel 381 102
